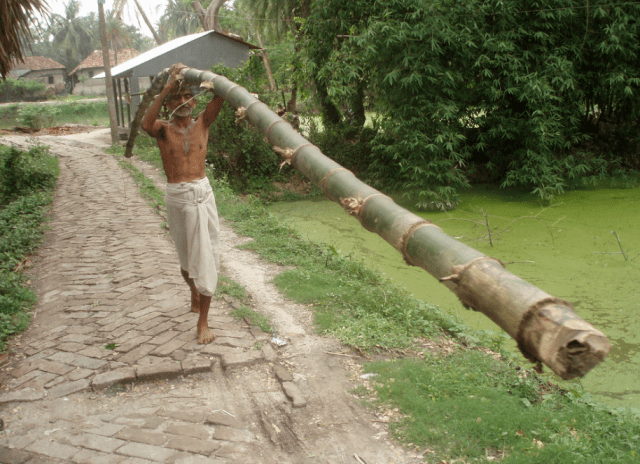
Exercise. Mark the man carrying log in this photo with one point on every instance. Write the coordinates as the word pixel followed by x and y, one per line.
pixel 191 208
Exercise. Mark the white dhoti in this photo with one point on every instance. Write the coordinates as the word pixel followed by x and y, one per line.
pixel 193 223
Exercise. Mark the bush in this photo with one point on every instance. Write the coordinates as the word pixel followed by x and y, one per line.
pixel 24 172
pixel 25 182
pixel 14 90
pixel 239 151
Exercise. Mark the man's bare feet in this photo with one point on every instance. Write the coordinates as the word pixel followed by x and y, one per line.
pixel 205 336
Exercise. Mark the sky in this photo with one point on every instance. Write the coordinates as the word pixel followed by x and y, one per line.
pixel 88 6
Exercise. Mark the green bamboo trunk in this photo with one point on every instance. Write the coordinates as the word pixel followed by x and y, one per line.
pixel 546 328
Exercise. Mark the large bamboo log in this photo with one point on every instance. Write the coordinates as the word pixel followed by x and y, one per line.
pixel 546 329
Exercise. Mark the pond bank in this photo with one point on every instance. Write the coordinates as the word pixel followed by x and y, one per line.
pixel 567 249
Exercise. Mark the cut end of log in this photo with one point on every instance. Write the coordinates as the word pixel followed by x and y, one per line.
pixel 554 334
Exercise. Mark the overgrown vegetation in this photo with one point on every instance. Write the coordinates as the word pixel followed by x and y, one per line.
pixel 461 403
pixel 26 182
pixel 15 90
pixel 530 94
pixel 37 116
pixel 470 407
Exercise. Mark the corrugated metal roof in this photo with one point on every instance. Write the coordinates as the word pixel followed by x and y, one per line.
pixel 118 71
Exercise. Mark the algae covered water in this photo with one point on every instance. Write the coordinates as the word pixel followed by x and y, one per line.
pixel 584 248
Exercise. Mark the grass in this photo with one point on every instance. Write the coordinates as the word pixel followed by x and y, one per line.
pixel 466 406
pixel 37 116
pixel 470 407
pixel 26 183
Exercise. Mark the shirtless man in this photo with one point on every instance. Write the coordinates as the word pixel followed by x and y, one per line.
pixel 191 209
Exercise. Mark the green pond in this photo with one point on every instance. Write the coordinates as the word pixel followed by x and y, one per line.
pixel 568 249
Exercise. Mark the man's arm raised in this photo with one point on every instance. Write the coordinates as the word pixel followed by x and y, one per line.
pixel 150 121
pixel 212 110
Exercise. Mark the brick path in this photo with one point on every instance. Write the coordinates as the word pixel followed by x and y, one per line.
pixel 110 371
pixel 113 310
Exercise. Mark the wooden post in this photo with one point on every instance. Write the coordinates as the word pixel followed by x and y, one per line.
pixel 107 75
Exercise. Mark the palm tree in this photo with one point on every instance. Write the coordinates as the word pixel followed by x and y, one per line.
pixel 118 7
pixel 71 34
pixel 14 27
pixel 117 35
pixel 178 20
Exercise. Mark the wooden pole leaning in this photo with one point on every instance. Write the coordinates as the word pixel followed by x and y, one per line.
pixel 546 329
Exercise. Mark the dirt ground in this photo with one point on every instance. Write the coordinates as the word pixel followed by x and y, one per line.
pixel 321 423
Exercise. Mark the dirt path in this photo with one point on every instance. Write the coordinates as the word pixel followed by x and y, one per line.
pixel 107 276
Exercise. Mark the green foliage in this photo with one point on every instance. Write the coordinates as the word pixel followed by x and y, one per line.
pixel 238 151
pixel 26 180
pixel 14 90
pixel 24 172
pixel 469 406
pixel 531 95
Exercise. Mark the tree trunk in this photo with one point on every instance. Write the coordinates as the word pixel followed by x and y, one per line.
pixel 267 64
pixel 209 17
pixel 107 77
pixel 148 23
pixel 546 328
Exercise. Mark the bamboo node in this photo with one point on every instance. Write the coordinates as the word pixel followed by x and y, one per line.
pixel 325 179
pixel 266 133
pixel 241 114
pixel 286 153
pixel 229 91
pixel 352 206
pixel 404 240
pixel 207 85
pixel 460 269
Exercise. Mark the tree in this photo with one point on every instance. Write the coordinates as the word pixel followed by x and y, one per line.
pixel 116 34
pixel 71 35
pixel 513 92
pixel 118 7
pixel 178 20
pixel 15 17
pixel 209 17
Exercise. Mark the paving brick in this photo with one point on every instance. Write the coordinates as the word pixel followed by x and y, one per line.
pixel 71 347
pixel 105 429
pixel 88 363
pixel 189 430
pixel 235 342
pixel 231 361
pixel 134 355
pixel 231 434
pixel 193 445
pixel 40 380
pixel 57 368
pixel 169 347
pixel 195 365
pixel 95 442
pixel 69 388
pixel 197 459
pixel 149 452
pixel 13 456
pixel 294 394
pixel 107 379
pixel 163 370
pixel 222 418
pixel 79 373
pixel 87 456
pixel 186 416
pixel 52 449
pixel 64 358
pixel 165 334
